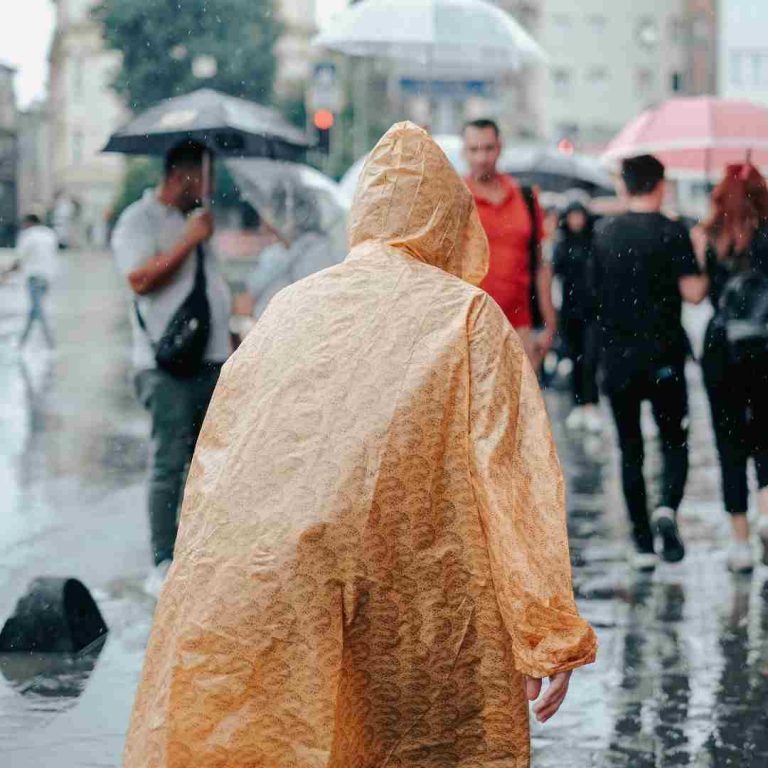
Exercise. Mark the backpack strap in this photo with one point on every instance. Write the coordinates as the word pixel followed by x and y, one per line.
pixel 529 196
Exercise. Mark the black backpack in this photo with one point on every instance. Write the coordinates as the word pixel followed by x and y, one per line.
pixel 743 314
pixel 181 348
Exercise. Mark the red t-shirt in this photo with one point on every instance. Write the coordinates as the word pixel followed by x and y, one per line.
pixel 508 227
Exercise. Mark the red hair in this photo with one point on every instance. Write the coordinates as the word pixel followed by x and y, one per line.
pixel 739 208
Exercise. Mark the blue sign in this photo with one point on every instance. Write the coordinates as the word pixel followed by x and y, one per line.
pixel 447 89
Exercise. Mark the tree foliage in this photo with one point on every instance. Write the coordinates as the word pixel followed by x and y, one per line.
pixel 159 40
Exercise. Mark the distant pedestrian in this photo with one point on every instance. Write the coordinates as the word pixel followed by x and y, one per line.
pixel 179 292
pixel 732 245
pixel 572 263
pixel 37 248
pixel 518 279
pixel 644 267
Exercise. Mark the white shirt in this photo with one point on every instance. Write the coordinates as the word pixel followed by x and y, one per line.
pixel 38 248
pixel 149 227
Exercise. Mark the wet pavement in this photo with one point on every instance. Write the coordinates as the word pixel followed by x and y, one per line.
pixel 682 675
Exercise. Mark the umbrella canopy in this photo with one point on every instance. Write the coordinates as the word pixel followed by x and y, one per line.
pixel 554 170
pixel 292 198
pixel 225 124
pixel 305 209
pixel 696 136
pixel 469 35
pixel 541 165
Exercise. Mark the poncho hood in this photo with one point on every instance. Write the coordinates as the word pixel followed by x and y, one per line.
pixel 434 222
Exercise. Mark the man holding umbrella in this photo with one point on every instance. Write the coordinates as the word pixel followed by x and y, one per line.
pixel 181 302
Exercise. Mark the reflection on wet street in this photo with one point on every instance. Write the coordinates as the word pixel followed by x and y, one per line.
pixel 682 674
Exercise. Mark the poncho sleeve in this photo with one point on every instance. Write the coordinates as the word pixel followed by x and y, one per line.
pixel 519 490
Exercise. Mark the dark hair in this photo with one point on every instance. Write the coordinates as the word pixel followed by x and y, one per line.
pixel 31 218
pixel 188 154
pixel 642 174
pixel 482 124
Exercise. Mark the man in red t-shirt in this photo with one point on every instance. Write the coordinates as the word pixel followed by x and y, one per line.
pixel 512 277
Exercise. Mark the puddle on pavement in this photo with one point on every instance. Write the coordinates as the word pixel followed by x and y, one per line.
pixel 40 686
pixel 682 678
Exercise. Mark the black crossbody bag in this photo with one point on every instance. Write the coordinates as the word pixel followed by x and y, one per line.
pixel 181 348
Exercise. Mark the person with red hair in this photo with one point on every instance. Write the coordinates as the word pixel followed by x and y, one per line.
pixel 732 245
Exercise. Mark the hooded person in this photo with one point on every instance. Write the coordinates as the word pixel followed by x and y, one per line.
pixel 372 567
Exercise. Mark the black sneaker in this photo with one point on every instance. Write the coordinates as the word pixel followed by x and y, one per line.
pixel 665 526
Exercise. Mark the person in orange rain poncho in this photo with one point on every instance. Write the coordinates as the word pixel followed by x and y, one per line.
pixel 372 568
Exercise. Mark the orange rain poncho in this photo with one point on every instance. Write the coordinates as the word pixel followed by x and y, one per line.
pixel 373 546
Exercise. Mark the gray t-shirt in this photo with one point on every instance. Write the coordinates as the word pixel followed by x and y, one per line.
pixel 149 227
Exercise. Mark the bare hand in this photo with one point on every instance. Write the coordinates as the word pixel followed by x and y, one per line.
pixel 553 697
pixel 199 227
pixel 544 341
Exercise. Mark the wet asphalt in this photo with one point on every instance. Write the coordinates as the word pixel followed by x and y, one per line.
pixel 682 673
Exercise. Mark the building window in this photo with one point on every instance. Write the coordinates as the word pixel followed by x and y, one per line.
pixel 644 81
pixel 598 78
pixel 647 33
pixel 676 30
pixel 562 81
pixel 749 69
pixel 736 74
pixel 597 23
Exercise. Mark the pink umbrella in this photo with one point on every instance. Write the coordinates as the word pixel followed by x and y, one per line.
pixel 696 136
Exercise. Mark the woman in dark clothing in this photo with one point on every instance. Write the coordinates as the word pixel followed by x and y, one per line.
pixel 571 263
pixel 733 247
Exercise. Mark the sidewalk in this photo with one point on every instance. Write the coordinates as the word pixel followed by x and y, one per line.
pixel 682 673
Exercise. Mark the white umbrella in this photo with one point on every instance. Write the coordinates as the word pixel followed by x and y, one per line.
pixel 470 36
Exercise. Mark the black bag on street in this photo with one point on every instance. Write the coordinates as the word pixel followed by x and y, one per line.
pixel 181 348
pixel 743 315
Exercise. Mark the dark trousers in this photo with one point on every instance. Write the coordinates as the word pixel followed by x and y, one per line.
pixel 177 407
pixel 580 337
pixel 668 395
pixel 738 400
pixel 37 288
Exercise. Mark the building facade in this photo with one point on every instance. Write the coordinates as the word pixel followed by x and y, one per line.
pixel 609 61
pixel 35 181
pixel 743 70
pixel 295 55
pixel 84 111
pixel 8 157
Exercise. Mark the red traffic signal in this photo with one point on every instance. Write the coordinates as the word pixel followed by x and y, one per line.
pixel 323 119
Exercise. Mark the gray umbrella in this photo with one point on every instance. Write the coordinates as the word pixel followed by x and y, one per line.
pixel 539 163
pixel 225 124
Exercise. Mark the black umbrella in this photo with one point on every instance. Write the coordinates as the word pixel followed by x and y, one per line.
pixel 225 124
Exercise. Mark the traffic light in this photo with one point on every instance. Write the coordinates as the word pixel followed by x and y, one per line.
pixel 323 120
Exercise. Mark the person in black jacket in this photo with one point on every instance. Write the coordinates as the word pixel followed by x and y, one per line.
pixel 732 246
pixel 572 260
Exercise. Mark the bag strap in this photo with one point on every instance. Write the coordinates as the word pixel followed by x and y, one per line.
pixel 200 267
pixel 529 196
pixel 533 244
pixel 200 284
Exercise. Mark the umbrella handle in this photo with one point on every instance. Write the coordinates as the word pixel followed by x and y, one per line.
pixel 207 164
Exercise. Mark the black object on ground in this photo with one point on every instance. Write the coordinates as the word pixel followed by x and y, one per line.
pixel 55 615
